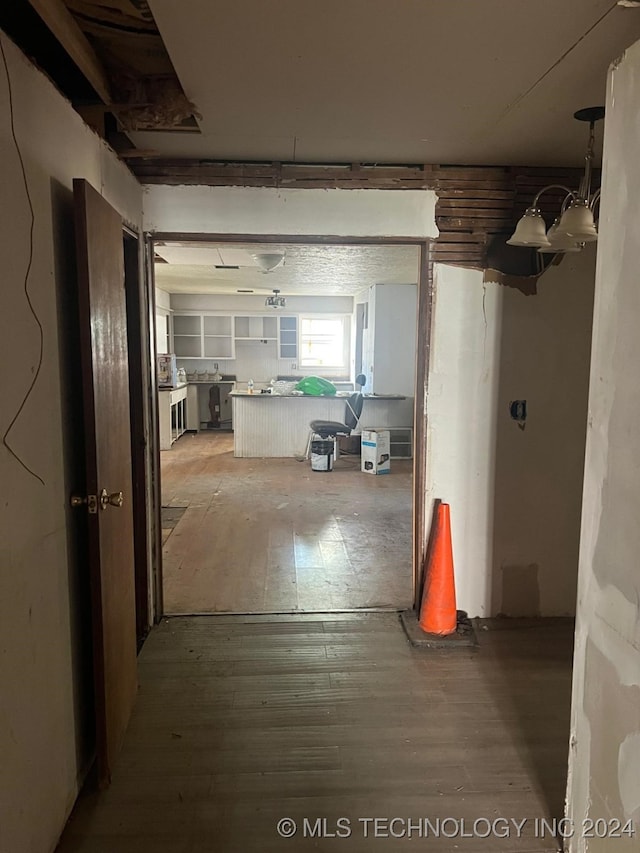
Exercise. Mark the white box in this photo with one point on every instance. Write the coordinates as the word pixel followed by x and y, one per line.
pixel 375 451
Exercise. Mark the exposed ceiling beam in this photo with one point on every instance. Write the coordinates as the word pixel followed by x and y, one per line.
pixel 64 27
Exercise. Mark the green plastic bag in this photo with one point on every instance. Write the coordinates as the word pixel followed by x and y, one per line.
pixel 316 386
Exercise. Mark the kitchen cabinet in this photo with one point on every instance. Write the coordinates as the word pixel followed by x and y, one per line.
pixel 172 415
pixel 203 336
pixel 211 336
pixel 256 328
pixel 389 339
pixel 288 337
pixel 217 341
pixel 187 335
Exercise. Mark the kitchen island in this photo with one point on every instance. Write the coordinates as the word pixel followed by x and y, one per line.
pixel 278 425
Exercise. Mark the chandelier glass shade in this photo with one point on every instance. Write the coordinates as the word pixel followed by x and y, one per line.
pixel 575 224
pixel 268 261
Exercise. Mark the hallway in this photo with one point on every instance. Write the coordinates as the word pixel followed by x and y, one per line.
pixel 242 721
pixel 271 535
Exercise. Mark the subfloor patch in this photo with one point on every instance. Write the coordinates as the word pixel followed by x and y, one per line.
pixel 463 638
pixel 171 515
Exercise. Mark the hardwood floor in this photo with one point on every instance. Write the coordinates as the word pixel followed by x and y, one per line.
pixel 273 536
pixel 244 720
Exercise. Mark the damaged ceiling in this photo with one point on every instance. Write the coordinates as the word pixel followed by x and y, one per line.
pixel 367 81
pixel 360 94
pixel 145 90
pixel 109 59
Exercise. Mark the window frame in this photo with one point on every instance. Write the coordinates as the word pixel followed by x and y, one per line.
pixel 346 320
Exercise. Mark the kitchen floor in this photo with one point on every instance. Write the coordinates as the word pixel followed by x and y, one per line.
pixel 261 733
pixel 273 536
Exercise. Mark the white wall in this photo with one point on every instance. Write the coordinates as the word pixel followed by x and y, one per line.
pixel 163 299
pixel 604 760
pixel 461 422
pixel 515 494
pixel 43 636
pixel 238 304
pixel 265 210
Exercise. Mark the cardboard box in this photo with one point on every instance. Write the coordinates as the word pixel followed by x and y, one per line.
pixel 376 451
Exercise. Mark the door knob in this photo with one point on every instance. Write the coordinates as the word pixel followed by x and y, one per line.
pixel 110 499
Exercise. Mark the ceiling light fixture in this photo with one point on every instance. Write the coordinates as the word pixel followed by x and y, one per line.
pixel 268 261
pixel 275 301
pixel 575 224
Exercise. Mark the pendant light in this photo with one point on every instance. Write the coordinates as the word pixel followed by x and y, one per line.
pixel 268 261
pixel 575 224
pixel 275 301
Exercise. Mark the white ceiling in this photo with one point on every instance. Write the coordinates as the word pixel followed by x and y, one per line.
pixel 395 81
pixel 307 269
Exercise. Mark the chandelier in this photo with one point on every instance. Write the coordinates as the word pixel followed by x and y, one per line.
pixel 275 301
pixel 575 224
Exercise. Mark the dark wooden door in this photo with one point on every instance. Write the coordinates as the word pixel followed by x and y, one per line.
pixel 103 335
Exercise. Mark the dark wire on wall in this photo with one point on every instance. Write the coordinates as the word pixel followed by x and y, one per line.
pixel 5 437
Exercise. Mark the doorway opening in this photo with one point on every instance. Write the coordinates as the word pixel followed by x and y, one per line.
pixel 249 526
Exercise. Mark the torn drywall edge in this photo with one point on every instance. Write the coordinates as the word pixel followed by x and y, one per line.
pixel 525 284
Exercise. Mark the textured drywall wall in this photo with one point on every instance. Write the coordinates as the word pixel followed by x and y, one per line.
pixel 514 489
pixel 604 761
pixel 44 640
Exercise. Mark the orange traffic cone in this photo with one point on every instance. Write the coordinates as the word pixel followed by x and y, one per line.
pixel 438 607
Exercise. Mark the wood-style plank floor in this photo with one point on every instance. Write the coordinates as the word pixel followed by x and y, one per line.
pixel 244 720
pixel 273 536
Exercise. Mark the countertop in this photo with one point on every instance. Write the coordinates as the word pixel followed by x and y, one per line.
pixel 172 387
pixel 196 382
pixel 340 396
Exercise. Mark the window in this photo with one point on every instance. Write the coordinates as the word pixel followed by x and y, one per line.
pixel 324 342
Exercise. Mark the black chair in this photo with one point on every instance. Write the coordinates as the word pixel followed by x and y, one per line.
pixel 353 410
